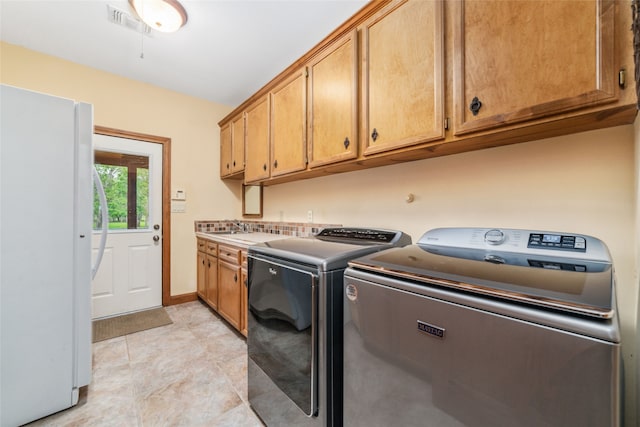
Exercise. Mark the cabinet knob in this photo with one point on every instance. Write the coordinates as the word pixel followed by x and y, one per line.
pixel 346 142
pixel 374 135
pixel 235 277
pixel 227 165
pixel 234 163
pixel 264 167
pixel 475 106
pixel 275 164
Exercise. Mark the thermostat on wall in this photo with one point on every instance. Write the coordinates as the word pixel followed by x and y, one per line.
pixel 179 194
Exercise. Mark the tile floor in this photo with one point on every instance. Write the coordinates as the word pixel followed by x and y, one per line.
pixel 190 373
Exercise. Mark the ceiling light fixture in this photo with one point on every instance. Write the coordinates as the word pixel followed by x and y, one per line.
pixel 166 16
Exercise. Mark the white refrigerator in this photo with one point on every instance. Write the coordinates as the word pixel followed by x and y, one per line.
pixel 46 205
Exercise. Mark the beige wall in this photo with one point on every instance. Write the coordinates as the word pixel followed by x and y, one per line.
pixel 582 183
pixel 191 123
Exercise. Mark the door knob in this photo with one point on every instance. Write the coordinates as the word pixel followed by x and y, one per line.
pixel 156 238
pixel 156 227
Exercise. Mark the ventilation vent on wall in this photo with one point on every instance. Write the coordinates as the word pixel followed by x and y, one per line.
pixel 125 19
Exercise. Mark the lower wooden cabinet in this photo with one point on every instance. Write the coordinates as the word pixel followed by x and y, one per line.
pixel 202 271
pixel 207 267
pixel 212 282
pixel 230 293
pixel 222 281
pixel 244 301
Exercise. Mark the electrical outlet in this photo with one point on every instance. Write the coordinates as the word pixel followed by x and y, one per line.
pixel 309 215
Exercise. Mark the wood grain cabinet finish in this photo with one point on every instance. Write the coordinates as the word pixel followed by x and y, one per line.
pixel 225 150
pixel 212 273
pixel 402 76
pixel 229 297
pixel 436 78
pixel 202 275
pixel 289 125
pixel 230 284
pixel 257 166
pixel 222 280
pixel 232 144
pixel 523 60
pixel 207 272
pixel 237 149
pixel 332 113
pixel 244 302
pixel 212 281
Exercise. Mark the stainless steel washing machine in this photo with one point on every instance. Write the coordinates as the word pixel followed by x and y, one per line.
pixel 483 327
pixel 295 323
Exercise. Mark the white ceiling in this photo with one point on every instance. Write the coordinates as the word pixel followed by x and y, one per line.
pixel 227 50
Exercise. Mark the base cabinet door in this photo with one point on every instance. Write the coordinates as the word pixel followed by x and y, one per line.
pixel 202 275
pixel 244 303
pixel 229 293
pixel 528 59
pixel 212 281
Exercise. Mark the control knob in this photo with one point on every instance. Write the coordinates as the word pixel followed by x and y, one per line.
pixel 494 237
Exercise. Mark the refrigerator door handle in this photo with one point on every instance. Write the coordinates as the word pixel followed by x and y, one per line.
pixel 105 221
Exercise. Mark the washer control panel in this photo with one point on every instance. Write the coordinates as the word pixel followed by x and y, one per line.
pixel 500 241
pixel 557 241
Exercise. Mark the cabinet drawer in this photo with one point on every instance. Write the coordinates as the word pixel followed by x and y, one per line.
pixel 202 245
pixel 229 254
pixel 212 248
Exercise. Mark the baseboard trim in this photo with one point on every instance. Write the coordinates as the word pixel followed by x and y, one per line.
pixel 181 299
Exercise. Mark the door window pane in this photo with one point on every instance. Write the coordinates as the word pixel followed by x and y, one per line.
pixel 125 179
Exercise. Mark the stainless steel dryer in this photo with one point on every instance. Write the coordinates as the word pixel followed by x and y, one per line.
pixel 483 327
pixel 295 323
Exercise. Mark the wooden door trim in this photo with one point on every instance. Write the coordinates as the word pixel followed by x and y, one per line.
pixel 166 198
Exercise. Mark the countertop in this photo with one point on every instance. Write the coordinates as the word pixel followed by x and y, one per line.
pixel 243 240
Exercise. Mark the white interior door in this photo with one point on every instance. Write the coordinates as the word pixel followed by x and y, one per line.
pixel 130 275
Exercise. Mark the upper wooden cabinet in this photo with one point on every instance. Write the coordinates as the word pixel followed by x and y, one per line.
pixel 225 150
pixel 232 148
pixel 257 141
pixel 404 80
pixel 521 60
pixel 289 125
pixel 332 113
pixel 402 76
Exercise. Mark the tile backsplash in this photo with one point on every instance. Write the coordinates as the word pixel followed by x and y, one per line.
pixel 298 229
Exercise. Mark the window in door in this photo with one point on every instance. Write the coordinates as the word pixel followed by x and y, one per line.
pixel 125 178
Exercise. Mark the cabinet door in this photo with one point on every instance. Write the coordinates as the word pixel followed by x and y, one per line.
pixel 229 293
pixel 212 281
pixel 403 102
pixel 202 275
pixel 237 148
pixel 225 150
pixel 288 125
pixel 244 303
pixel 257 141
pixel 523 60
pixel 333 103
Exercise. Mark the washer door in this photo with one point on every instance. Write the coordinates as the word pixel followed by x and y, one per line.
pixel 282 336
